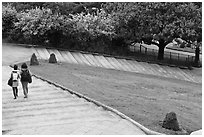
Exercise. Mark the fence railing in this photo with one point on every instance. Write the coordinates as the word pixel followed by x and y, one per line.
pixel 169 57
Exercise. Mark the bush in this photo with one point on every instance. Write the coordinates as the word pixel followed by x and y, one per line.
pixel 88 32
pixel 93 32
pixel 34 60
pixel 8 19
pixel 52 58
pixel 39 26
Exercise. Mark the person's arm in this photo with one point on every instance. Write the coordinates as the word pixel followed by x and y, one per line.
pixel 19 74
pixel 30 72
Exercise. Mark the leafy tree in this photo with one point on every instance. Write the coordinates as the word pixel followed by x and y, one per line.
pixel 8 18
pixel 44 26
pixel 107 23
pixel 163 20
pixel 23 6
pixel 64 8
pixel 40 25
pixel 93 27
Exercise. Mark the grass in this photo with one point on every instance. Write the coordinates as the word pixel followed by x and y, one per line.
pixel 144 98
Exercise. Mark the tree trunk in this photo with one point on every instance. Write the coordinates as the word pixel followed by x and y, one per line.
pixel 197 53
pixel 161 50
pixel 161 53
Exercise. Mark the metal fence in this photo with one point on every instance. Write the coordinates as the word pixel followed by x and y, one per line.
pixel 169 57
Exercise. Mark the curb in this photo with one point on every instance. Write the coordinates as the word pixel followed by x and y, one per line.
pixel 144 129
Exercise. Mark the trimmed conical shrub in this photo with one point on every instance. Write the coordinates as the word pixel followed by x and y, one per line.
pixel 34 60
pixel 171 122
pixel 52 58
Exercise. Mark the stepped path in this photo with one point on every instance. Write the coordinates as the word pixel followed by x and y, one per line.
pixel 51 110
pixel 118 64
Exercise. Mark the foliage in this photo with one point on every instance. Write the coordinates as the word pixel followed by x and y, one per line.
pixel 166 19
pixel 8 18
pixel 94 24
pixel 89 28
pixel 42 26
pixel 162 21
pixel 64 8
pixel 37 24
pixel 102 26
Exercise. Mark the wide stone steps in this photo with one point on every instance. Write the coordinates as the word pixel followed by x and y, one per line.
pixel 50 110
pixel 117 64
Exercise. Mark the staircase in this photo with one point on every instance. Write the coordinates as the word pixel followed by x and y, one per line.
pixel 117 64
pixel 50 110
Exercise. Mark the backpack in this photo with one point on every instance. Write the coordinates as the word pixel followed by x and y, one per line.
pixel 25 76
pixel 15 76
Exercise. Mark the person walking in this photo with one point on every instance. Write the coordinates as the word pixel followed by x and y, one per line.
pixel 15 76
pixel 25 78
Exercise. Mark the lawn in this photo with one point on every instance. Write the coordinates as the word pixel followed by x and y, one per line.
pixel 144 98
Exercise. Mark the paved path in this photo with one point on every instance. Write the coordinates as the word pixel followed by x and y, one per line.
pixel 50 110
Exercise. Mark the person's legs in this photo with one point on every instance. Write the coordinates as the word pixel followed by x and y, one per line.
pixel 14 92
pixel 17 91
pixel 25 89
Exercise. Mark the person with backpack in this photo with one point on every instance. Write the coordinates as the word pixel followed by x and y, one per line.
pixel 15 76
pixel 25 78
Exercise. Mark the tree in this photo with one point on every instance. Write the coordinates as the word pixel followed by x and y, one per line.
pixel 197 55
pixel 8 18
pixel 64 8
pixel 118 22
pixel 164 20
pixel 40 25
pixel 93 28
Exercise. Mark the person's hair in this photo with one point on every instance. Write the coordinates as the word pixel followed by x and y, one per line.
pixel 15 67
pixel 24 66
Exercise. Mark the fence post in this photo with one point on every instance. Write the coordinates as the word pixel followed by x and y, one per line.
pixel 140 48
pixel 170 55
pixel 145 51
pixel 178 56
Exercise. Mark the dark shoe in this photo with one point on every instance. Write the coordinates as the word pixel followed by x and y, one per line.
pixel 25 97
pixel 14 98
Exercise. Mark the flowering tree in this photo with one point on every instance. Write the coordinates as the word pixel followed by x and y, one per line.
pixel 39 25
pixel 8 18
pixel 114 24
pixel 97 26
pixel 94 24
